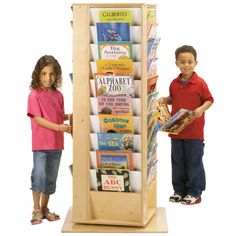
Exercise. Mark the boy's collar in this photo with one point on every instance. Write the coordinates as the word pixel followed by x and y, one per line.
pixel 191 80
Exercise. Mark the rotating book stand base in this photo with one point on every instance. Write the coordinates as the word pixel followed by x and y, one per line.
pixel 157 224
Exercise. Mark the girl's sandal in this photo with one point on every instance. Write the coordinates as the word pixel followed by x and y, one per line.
pixel 50 216
pixel 37 217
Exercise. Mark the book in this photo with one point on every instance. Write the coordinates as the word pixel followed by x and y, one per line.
pixel 151 135
pixel 113 31
pixel 114 105
pixel 151 84
pixel 115 141
pixel 152 151
pixel 151 16
pixel 152 45
pixel 116 123
pixel 114 84
pixel 159 114
pixel 152 68
pixel 113 180
pixel 124 66
pixel 115 51
pixel 114 159
pixel 176 123
pixel 115 16
pixel 151 171
pixel 152 101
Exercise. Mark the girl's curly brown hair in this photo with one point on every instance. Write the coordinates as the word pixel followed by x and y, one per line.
pixel 41 63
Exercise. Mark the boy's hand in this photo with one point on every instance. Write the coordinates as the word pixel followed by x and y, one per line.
pixel 165 100
pixel 198 112
pixel 161 100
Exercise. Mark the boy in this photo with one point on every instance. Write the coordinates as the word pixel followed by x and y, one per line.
pixel 191 92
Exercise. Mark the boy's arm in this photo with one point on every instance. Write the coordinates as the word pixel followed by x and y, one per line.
pixel 51 125
pixel 165 100
pixel 199 111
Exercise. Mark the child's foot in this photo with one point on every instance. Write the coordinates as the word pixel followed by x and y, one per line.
pixel 190 200
pixel 50 216
pixel 175 198
pixel 37 217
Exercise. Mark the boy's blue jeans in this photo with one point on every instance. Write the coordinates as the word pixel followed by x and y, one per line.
pixel 188 174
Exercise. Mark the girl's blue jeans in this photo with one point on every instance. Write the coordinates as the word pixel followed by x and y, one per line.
pixel 45 170
pixel 188 174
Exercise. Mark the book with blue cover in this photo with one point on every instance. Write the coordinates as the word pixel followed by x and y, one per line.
pixel 113 31
pixel 115 141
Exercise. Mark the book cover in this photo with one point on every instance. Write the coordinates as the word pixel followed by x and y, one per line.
pixel 115 141
pixel 151 16
pixel 152 152
pixel 160 115
pixel 152 45
pixel 151 135
pixel 114 159
pixel 124 66
pixel 115 16
pixel 115 51
pixel 151 171
pixel 114 105
pixel 152 67
pixel 152 101
pixel 113 180
pixel 113 31
pixel 178 121
pixel 151 84
pixel 114 84
pixel 116 123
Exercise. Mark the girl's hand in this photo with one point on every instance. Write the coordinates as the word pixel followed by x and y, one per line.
pixel 65 128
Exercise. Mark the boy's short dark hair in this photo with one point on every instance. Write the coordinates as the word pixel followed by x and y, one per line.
pixel 185 48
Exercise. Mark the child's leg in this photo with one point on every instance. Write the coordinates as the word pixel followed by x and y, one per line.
pixel 179 175
pixel 37 215
pixel 194 150
pixel 44 201
pixel 36 199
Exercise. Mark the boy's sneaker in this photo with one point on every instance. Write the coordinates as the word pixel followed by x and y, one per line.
pixel 190 200
pixel 175 198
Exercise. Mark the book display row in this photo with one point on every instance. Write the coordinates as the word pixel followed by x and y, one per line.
pixel 152 76
pixel 114 86
pixel 115 158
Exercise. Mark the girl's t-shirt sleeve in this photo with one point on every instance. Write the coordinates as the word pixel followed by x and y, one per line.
pixel 33 106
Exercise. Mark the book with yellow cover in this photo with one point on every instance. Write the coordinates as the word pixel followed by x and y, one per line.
pixel 115 51
pixel 115 66
pixel 115 16
pixel 116 123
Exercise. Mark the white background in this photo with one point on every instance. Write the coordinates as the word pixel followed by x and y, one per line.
pixel 30 29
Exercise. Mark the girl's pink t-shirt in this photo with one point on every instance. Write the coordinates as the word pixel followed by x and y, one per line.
pixel 48 105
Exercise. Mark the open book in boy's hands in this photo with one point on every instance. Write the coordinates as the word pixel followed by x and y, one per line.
pixel 176 123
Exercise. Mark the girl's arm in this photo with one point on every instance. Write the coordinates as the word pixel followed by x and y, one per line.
pixel 51 125
pixel 67 116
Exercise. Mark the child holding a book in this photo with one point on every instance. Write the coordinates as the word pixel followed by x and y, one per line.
pixel 191 92
pixel 46 111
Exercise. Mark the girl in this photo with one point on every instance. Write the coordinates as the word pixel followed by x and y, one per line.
pixel 46 111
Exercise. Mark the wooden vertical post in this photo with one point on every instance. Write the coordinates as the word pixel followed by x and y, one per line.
pixel 81 112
